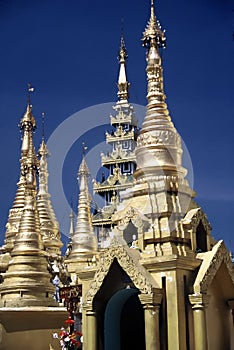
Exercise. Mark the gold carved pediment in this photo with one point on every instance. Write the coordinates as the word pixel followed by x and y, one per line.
pixel 130 213
pixel 211 262
pixel 194 217
pixel 128 259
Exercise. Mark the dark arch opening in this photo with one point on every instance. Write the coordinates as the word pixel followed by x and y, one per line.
pixel 124 321
pixel 201 238
pixel 126 308
pixel 132 325
pixel 129 232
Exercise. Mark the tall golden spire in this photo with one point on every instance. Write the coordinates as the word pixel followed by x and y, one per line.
pixel 49 224
pixel 84 243
pixel 123 84
pixel 28 167
pixel 161 192
pixel 158 145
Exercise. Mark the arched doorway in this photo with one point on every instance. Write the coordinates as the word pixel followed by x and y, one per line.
pixel 124 321
pixel 201 238
pixel 130 233
pixel 119 312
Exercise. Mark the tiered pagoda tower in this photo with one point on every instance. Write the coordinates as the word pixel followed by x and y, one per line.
pixel 120 161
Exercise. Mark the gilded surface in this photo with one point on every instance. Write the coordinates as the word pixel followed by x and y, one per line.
pixel 210 265
pixel 83 240
pixel 48 222
pixel 28 162
pixel 129 261
pixel 123 143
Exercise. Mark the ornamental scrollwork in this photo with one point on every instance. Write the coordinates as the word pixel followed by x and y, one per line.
pixel 194 217
pixel 220 256
pixel 130 264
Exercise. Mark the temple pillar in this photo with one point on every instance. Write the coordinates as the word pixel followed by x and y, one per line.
pixel 151 304
pixel 198 302
pixel 91 330
pixel 231 305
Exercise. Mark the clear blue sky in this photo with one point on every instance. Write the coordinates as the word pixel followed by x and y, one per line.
pixel 68 50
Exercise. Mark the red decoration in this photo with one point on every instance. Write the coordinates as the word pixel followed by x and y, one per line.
pixel 70 320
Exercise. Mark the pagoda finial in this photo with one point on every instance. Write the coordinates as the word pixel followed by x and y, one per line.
pixel 84 149
pixel 43 150
pixel 83 168
pixel 154 39
pixel 123 84
pixel 43 126
pixel 153 34
pixel 30 89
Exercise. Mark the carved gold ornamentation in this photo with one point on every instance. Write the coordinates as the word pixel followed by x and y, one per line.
pixel 194 217
pixel 119 155
pixel 128 214
pixel 210 265
pixel 130 264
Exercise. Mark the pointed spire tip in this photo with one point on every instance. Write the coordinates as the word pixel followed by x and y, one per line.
pixel 153 34
pixel 123 84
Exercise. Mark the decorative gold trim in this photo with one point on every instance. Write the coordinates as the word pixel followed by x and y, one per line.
pixel 123 217
pixel 130 264
pixel 210 265
pixel 193 218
